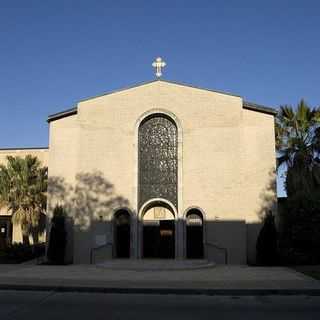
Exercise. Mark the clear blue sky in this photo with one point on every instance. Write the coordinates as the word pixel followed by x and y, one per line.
pixel 53 53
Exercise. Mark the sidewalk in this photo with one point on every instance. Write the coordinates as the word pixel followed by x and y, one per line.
pixel 214 280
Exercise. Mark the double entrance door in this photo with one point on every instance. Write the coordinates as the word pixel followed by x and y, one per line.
pixel 158 239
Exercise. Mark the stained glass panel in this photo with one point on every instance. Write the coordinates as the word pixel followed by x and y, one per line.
pixel 158 159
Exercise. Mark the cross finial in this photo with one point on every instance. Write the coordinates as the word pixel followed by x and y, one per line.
pixel 158 64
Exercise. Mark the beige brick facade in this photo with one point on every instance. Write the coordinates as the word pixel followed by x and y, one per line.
pixel 226 163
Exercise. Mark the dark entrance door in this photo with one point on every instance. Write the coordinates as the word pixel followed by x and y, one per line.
pixel 194 236
pixel 5 231
pixel 166 250
pixel 194 242
pixel 122 235
pixel 158 239
pixel 151 239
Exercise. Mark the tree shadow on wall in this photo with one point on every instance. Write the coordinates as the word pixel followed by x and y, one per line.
pixel 268 196
pixel 90 204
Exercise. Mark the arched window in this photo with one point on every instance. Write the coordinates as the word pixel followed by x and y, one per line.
pixel 158 161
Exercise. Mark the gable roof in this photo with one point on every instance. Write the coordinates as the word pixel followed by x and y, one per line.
pixel 246 104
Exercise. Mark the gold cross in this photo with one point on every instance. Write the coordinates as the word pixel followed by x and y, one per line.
pixel 158 64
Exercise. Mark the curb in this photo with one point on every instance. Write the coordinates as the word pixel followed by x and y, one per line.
pixel 163 291
pixel 148 268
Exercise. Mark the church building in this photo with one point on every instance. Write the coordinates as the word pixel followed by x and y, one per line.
pixel 162 170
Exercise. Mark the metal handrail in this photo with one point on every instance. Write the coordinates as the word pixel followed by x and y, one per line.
pixel 225 250
pixel 96 249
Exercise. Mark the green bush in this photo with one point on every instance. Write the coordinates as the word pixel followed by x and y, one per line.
pixel 267 248
pixel 19 252
pixel 57 239
pixel 300 232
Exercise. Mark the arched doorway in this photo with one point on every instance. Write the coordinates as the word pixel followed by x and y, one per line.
pixel 194 221
pixel 158 232
pixel 122 234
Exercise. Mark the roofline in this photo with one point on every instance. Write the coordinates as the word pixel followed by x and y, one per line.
pixel 119 90
pixel 160 80
pixel 259 108
pixel 201 88
pixel 246 104
pixel 62 114
pixel 24 148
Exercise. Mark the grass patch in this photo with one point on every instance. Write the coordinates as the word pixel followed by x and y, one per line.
pixel 311 271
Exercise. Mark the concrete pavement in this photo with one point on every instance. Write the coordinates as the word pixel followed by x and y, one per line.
pixel 224 280
pixel 21 305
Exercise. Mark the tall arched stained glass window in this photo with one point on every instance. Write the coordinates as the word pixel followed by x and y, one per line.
pixel 158 159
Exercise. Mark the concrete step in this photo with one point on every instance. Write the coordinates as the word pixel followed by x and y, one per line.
pixel 155 264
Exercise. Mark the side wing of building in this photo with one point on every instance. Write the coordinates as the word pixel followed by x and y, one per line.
pixel 9 231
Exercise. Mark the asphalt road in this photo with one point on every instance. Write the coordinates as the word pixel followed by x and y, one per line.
pixel 77 306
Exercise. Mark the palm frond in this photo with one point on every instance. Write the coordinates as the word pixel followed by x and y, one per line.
pixel 298 145
pixel 23 189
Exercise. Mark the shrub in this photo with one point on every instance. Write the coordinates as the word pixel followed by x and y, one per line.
pixel 300 231
pixel 267 242
pixel 19 252
pixel 57 239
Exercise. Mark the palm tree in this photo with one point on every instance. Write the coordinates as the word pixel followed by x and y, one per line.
pixel 298 147
pixel 23 187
